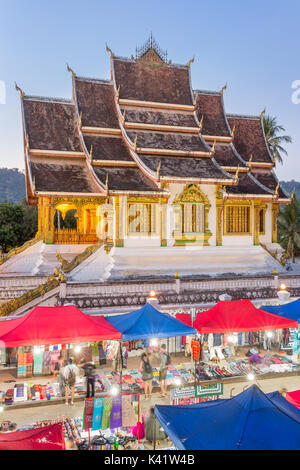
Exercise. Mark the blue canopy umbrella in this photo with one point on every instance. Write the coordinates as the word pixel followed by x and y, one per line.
pixel 290 310
pixel 249 421
pixel 148 322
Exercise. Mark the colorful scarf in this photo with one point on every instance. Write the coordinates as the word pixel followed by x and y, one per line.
pixel 98 412
pixel 107 407
pixel 128 415
pixel 116 413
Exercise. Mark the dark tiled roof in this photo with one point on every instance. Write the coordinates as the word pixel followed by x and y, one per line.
pixel 247 185
pixel 269 180
pixel 167 118
pixel 62 175
pixel 210 106
pixel 170 141
pixel 51 125
pixel 107 148
pixel 96 102
pixel 166 84
pixel 249 138
pixel 225 155
pixel 125 179
pixel 184 167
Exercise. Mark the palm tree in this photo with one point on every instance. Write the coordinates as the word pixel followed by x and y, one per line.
pixel 289 228
pixel 272 130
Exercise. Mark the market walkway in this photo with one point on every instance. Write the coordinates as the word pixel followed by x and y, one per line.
pixel 33 414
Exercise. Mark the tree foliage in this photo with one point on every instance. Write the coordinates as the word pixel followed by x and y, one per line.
pixel 18 223
pixel 289 228
pixel 272 132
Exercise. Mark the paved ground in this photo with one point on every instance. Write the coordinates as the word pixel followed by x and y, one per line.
pixel 31 415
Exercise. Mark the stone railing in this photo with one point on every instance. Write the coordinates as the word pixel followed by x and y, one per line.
pixel 9 307
pixel 16 251
pixel 176 292
pixel 67 266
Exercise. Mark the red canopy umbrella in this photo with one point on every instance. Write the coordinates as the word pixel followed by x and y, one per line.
pixel 55 325
pixel 230 316
pixel 46 438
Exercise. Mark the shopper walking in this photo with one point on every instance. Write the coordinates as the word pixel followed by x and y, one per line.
pixel 147 374
pixel 70 373
pixel 89 372
pixel 164 360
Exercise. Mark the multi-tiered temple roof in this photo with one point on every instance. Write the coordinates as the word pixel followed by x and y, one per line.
pixel 144 127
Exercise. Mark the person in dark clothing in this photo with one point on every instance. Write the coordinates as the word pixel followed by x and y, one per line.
pixel 89 372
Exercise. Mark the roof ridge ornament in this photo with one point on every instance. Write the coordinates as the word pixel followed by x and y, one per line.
pixel 223 89
pixel 201 122
pixel 109 50
pixel 190 62
pixel 213 148
pixel 71 71
pixel 33 184
pixel 262 113
pixel 233 131
pixel 158 170
pixel 80 119
pixel 106 182
pixel 236 176
pixel 277 188
pixel 22 94
pixel 135 142
pixel 250 160
pixel 27 142
pixel 91 153
pixel 195 99
pixel 118 91
pixel 151 45
pixel 123 117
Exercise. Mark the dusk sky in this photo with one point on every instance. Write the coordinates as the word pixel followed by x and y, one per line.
pixel 254 46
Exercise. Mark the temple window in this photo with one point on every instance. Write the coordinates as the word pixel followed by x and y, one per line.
pixel 142 219
pixel 237 220
pixel 192 218
pixel 261 222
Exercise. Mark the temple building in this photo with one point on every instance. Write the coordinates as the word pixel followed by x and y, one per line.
pixel 144 161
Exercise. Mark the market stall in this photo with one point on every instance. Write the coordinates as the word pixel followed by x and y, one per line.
pixel 40 438
pixel 248 421
pixel 231 337
pixel 290 310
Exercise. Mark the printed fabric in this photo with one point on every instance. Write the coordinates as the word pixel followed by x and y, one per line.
pixel 116 413
pixel 98 413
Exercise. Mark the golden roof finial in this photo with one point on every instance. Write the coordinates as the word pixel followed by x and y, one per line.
pixel 276 190
pixel 33 184
pixel 213 147
pixel 158 169
pixel 190 62
pixel 135 141
pixel 223 89
pixel 123 117
pixel 262 113
pixel 106 182
pixel 118 91
pixel 27 142
pixel 293 193
pixel 195 99
pixel 70 70
pixel 236 176
pixel 91 153
pixel 233 131
pixel 250 160
pixel 80 119
pixel 22 94
pixel 109 50
pixel 201 123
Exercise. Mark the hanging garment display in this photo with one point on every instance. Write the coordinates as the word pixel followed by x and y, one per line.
pixel 128 414
pixel 97 413
pixel 107 407
pixel 38 362
pixel 195 347
pixel 46 363
pixel 88 413
pixel 116 413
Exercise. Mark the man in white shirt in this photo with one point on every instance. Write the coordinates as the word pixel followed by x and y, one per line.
pixel 71 371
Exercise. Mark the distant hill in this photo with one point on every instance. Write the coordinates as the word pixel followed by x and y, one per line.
pixel 290 185
pixel 12 185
